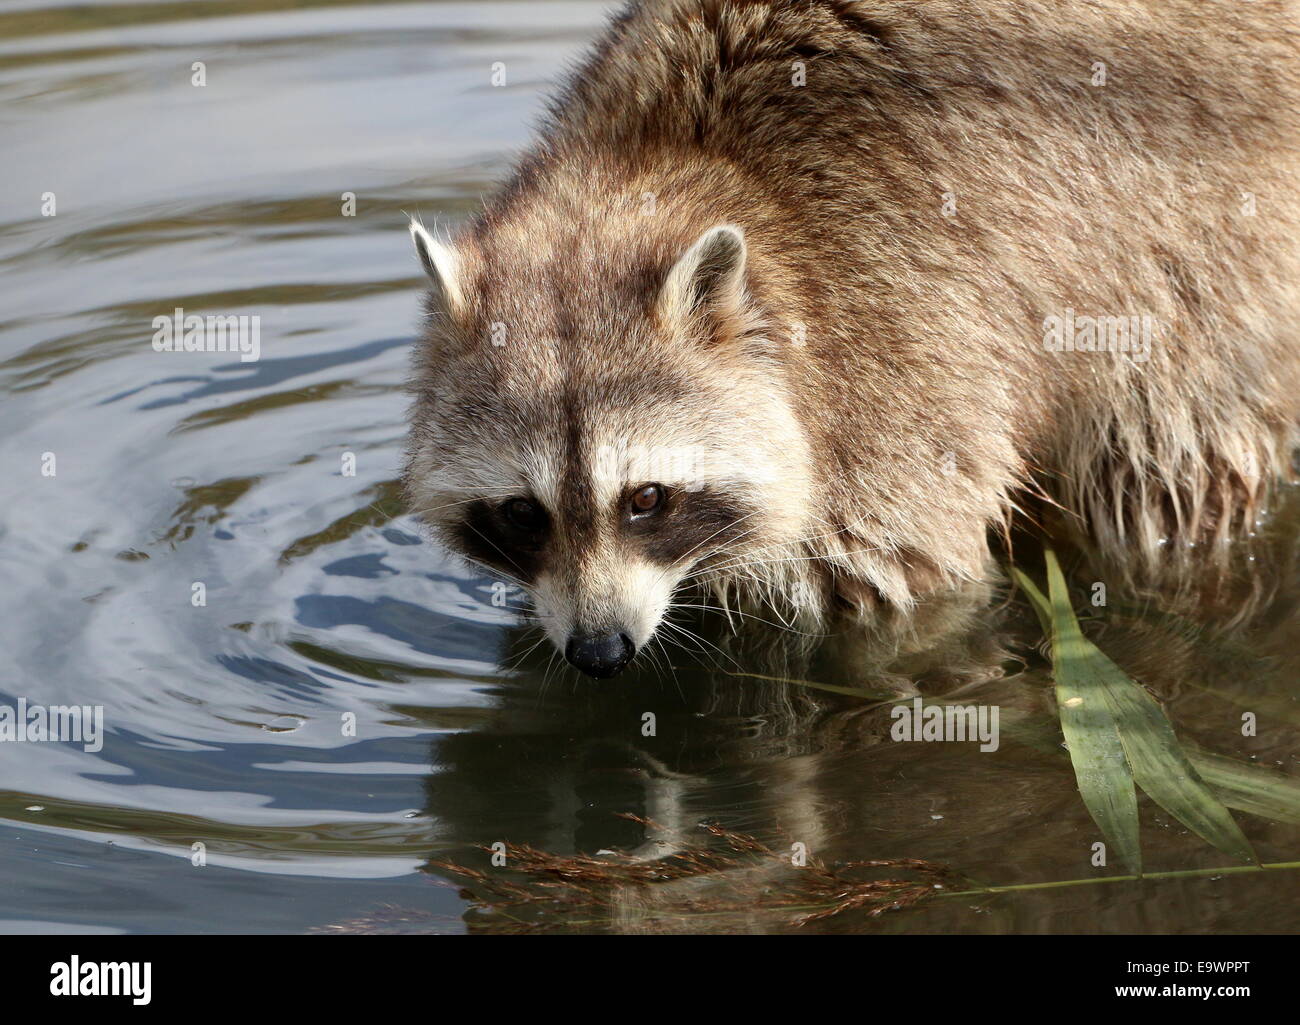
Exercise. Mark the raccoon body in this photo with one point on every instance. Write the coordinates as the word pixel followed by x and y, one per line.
pixel 799 300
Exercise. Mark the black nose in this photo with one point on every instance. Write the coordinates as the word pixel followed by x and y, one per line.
pixel 601 657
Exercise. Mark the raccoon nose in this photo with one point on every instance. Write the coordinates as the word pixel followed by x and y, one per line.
pixel 601 657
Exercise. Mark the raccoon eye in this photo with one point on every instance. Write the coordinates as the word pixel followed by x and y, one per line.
pixel 647 500
pixel 523 514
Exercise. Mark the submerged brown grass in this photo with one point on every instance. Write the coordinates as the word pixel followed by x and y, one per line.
pixel 741 876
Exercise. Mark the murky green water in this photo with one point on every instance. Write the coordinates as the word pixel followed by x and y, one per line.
pixel 334 717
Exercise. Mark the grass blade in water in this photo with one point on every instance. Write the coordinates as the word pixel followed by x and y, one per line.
pixel 1156 759
pixel 1092 736
pixel 1253 789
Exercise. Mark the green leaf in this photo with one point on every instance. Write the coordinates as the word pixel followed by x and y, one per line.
pixel 1242 786
pixel 1042 609
pixel 1155 758
pixel 1092 737
pixel 1247 787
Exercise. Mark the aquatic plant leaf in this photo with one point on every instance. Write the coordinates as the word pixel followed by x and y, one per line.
pixel 1156 759
pixel 1242 786
pixel 831 688
pixel 1254 789
pixel 1230 667
pixel 1092 737
pixel 1037 600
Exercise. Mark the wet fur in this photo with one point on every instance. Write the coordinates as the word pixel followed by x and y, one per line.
pixel 874 390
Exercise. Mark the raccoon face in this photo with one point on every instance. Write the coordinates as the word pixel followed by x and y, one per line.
pixel 600 431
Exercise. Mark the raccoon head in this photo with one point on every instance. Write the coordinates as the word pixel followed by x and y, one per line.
pixel 600 423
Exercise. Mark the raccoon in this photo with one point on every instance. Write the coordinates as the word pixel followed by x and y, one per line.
pixel 802 302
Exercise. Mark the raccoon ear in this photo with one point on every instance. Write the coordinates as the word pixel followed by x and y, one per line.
pixel 708 280
pixel 442 265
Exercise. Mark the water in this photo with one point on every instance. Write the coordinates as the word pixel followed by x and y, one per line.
pixel 334 718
